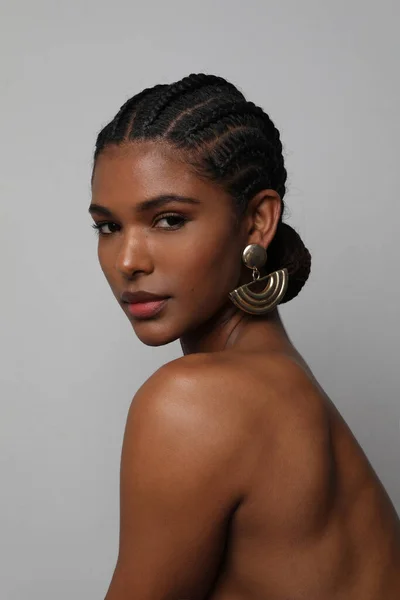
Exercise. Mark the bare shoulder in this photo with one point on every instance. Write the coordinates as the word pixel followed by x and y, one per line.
pixel 188 417
pixel 206 386
pixel 200 384
pixel 240 413
pixel 182 474
pixel 238 393
pixel 294 452
pixel 199 395
pixel 272 382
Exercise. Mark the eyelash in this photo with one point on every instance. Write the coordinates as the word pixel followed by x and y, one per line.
pixel 98 226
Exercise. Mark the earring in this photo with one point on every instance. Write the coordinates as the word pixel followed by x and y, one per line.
pixel 276 283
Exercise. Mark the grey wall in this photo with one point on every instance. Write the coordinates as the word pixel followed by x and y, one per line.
pixel 327 72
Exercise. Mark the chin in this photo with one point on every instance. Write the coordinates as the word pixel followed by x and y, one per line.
pixel 166 328
pixel 154 333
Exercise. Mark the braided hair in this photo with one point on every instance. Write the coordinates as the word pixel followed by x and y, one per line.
pixel 227 139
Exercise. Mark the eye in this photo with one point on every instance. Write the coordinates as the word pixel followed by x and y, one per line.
pixel 99 227
pixel 172 220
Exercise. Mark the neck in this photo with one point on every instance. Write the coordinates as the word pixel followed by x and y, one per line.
pixel 231 328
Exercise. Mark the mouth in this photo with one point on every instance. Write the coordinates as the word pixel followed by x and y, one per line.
pixel 143 305
pixel 146 310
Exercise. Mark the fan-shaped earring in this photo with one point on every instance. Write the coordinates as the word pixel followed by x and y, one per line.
pixel 276 283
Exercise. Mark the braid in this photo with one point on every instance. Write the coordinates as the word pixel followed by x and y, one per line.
pixel 241 154
pixel 227 139
pixel 231 110
pixel 124 108
pixel 115 131
pixel 223 111
pixel 187 84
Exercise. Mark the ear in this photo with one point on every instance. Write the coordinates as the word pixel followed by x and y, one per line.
pixel 263 215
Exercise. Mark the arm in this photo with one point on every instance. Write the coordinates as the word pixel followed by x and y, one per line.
pixel 179 485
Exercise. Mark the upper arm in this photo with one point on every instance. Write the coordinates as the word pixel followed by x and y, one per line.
pixel 178 488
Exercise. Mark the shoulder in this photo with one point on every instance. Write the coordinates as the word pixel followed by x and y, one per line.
pixel 239 391
pixel 299 411
pixel 203 385
pixel 237 413
pixel 182 415
pixel 298 451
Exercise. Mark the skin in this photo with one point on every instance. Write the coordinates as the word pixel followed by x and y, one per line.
pixel 239 477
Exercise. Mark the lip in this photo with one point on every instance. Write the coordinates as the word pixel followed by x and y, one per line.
pixel 145 310
pixel 143 305
pixel 140 297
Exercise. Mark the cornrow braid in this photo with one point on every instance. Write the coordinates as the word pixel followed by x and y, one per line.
pixel 235 157
pixel 240 145
pixel 226 139
pixel 231 110
pixel 187 84
pixel 128 106
pixel 116 129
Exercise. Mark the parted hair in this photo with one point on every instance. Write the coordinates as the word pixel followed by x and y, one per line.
pixel 227 139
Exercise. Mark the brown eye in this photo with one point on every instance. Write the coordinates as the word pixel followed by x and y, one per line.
pixel 99 227
pixel 172 221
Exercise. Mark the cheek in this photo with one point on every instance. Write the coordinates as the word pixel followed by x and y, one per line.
pixel 213 269
pixel 105 261
pixel 101 255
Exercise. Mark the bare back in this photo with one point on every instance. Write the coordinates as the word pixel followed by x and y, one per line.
pixel 340 538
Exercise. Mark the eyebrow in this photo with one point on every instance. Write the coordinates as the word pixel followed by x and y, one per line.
pixel 146 205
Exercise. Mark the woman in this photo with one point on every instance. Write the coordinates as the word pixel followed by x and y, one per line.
pixel 239 478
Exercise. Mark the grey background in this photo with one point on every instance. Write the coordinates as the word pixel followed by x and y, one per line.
pixel 328 74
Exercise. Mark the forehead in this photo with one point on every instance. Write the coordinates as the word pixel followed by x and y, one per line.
pixel 146 169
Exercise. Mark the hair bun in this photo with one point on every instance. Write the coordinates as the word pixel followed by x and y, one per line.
pixel 287 250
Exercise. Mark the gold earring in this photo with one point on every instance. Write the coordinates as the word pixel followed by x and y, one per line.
pixel 276 283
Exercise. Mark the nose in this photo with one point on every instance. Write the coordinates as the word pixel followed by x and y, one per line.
pixel 133 255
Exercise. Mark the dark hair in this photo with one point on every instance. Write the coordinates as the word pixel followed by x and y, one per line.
pixel 227 139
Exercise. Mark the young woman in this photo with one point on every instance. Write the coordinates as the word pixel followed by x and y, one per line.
pixel 239 478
